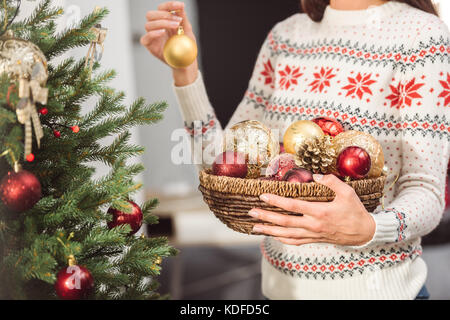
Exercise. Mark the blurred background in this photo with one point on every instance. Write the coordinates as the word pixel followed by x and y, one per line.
pixel 214 263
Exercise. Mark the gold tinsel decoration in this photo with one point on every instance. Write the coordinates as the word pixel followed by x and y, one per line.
pixel 254 171
pixel 316 155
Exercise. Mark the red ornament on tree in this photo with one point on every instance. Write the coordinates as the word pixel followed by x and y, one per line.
pixel 329 126
pixel 74 282
pixel 75 129
pixel 133 219
pixel 57 133
pixel 230 164
pixel 43 111
pixel 354 163
pixel 20 191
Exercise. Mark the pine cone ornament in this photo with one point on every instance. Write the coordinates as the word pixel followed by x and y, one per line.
pixel 316 155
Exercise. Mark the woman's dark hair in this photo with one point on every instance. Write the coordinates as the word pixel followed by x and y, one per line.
pixel 316 8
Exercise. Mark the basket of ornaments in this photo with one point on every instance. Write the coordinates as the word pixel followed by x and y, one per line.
pixel 253 163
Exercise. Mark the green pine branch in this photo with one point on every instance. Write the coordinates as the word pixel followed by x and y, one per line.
pixel 71 217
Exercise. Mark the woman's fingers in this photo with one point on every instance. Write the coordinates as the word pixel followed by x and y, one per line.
pixel 279 219
pixel 282 232
pixel 297 242
pixel 171 6
pixel 178 8
pixel 334 183
pixel 162 15
pixel 152 35
pixel 161 24
pixel 294 205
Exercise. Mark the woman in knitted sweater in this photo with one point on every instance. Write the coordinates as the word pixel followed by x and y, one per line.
pixel 382 67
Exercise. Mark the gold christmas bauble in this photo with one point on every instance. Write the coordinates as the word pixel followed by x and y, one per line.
pixel 299 133
pixel 180 51
pixel 253 139
pixel 366 142
pixel 22 59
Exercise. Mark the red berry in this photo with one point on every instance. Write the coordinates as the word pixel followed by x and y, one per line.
pixel 30 157
pixel 75 129
pixel 57 134
pixel 43 111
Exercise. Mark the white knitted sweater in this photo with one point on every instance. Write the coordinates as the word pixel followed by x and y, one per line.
pixel 384 71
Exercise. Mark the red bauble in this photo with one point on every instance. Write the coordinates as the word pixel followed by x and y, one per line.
pixel 75 129
pixel 282 150
pixel 74 283
pixel 230 164
pixel 20 191
pixel 329 126
pixel 279 165
pixel 43 111
pixel 298 175
pixel 353 162
pixel 133 219
pixel 57 133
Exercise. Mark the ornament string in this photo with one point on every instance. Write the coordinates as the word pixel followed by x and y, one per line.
pixel 13 158
pixel 180 28
pixel 6 22
pixel 70 257
pixel 100 36
pixel 384 193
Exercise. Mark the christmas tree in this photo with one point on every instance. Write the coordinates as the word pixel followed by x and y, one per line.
pixel 57 220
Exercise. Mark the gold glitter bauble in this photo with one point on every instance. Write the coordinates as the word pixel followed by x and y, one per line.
pixel 366 142
pixel 180 51
pixel 22 59
pixel 299 133
pixel 253 139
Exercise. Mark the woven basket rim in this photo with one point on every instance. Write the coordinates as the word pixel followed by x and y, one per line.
pixel 256 187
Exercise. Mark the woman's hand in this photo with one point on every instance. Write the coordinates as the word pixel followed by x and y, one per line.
pixel 344 221
pixel 161 25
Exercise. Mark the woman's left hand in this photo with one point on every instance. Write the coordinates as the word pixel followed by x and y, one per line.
pixel 344 221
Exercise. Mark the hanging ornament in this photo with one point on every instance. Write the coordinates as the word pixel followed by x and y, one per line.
pixel 366 142
pixel 256 141
pixel 180 51
pixel 25 63
pixel 353 163
pixel 20 190
pixel 133 219
pixel 99 38
pixel 299 133
pixel 279 165
pixel 230 164
pixel 329 126
pixel 74 282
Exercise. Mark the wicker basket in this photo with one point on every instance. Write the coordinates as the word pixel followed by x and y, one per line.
pixel 232 198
